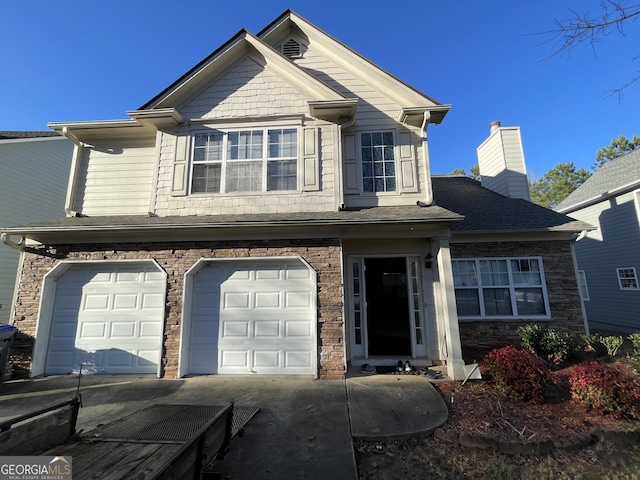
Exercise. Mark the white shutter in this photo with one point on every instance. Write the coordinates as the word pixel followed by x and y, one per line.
pixel 351 177
pixel 310 160
pixel 180 173
pixel 408 178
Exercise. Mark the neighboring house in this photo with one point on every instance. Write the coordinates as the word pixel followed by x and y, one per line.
pixel 273 212
pixel 34 172
pixel 609 257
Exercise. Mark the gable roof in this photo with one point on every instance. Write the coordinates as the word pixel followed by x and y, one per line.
pixel 612 179
pixel 226 55
pixel 403 93
pixel 488 212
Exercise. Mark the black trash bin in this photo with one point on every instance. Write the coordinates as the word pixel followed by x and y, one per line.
pixel 7 332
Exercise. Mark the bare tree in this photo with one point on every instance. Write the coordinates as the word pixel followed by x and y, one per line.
pixel 586 29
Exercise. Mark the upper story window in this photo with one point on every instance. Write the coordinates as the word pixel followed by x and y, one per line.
pixel 500 287
pixel 256 160
pixel 627 279
pixel 582 283
pixel 378 162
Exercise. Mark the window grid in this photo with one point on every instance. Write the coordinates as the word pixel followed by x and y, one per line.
pixel 627 279
pixel 378 162
pixel 256 160
pixel 500 287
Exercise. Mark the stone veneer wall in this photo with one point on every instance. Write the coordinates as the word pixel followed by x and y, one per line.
pixel 176 258
pixel 562 289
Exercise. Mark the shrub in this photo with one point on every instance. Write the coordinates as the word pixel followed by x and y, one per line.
pixel 549 344
pixel 613 344
pixel 605 389
pixel 635 342
pixel 594 342
pixel 517 373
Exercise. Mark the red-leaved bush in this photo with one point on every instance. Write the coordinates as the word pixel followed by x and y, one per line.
pixel 517 373
pixel 605 389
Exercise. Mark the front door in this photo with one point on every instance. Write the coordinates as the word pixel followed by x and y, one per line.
pixel 388 316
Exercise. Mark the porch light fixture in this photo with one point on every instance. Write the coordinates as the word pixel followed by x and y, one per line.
pixel 428 261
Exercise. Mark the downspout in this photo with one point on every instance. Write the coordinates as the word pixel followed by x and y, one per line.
pixel 575 239
pixel 75 168
pixel 425 153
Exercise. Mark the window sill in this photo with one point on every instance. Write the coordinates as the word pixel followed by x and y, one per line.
pixel 504 319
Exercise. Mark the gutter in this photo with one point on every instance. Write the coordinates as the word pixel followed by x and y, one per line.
pixel 6 239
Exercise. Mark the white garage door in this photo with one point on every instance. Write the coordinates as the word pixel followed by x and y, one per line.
pixel 253 317
pixel 107 317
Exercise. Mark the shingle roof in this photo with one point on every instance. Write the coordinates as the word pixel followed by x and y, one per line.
pixel 9 135
pixel 612 176
pixel 487 211
pixel 375 215
pixel 460 201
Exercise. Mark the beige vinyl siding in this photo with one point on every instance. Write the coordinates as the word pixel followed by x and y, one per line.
pixel 324 198
pixel 33 182
pixel 502 165
pixel 115 181
pixel 376 112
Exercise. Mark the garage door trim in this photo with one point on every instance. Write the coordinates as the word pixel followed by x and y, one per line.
pixel 47 301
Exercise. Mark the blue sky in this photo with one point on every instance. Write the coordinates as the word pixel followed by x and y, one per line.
pixel 78 60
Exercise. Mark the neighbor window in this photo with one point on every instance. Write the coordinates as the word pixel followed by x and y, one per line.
pixel 245 161
pixel 500 287
pixel 378 162
pixel 627 278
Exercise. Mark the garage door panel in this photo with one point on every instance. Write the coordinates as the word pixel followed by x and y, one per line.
pixel 109 318
pixel 268 299
pixel 267 329
pixel 298 359
pixel 150 330
pixel 234 359
pixel 267 359
pixel 235 329
pixel 236 300
pixel 92 331
pixel 123 329
pixel 298 329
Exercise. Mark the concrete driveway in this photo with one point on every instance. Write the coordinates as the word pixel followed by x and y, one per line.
pixel 303 429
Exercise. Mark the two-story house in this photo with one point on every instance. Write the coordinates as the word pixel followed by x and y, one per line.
pixel 609 257
pixel 273 212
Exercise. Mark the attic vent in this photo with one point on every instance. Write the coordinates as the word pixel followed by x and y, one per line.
pixel 291 49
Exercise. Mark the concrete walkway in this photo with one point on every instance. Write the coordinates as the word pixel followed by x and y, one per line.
pixel 304 428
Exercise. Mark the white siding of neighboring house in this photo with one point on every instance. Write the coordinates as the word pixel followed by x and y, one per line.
pixel 613 245
pixel 33 181
pixel 115 180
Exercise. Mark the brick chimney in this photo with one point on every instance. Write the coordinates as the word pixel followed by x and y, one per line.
pixel 501 162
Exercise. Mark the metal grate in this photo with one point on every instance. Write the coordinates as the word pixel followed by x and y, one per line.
pixel 168 423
